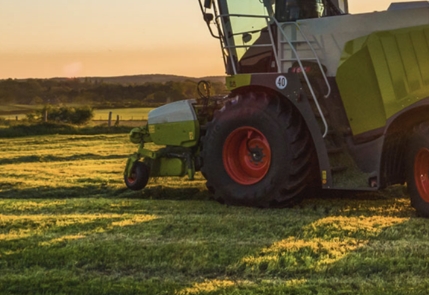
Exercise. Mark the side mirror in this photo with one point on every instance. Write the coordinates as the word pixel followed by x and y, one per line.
pixel 246 38
pixel 208 17
pixel 208 4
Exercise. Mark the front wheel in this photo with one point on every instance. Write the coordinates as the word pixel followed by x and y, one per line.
pixel 257 152
pixel 139 176
pixel 417 169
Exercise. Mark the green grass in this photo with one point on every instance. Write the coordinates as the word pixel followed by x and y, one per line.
pixel 69 226
pixel 17 129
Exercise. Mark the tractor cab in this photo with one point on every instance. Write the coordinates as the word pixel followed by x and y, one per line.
pixel 253 31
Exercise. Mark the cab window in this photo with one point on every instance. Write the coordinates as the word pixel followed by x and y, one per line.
pixel 292 10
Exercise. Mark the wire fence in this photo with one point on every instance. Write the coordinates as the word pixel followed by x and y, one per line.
pixel 102 118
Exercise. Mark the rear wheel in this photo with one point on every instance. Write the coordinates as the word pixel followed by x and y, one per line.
pixel 417 169
pixel 258 153
pixel 139 176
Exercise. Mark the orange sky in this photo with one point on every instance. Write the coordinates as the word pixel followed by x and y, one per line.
pixel 62 38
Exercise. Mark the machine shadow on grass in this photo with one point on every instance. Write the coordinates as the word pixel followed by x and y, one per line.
pixel 9 191
pixel 326 246
pixel 51 158
pixel 182 192
pixel 88 191
pixel 160 192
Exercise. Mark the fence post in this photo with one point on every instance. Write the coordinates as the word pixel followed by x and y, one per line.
pixel 117 120
pixel 110 120
pixel 45 116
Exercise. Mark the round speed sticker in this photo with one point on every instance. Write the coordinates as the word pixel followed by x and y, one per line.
pixel 281 82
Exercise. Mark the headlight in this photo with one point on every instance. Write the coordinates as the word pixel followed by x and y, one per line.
pixel 136 135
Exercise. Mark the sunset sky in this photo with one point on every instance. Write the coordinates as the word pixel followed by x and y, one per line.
pixel 77 38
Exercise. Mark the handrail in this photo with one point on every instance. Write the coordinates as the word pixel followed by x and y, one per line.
pixel 270 20
pixel 319 109
pixel 315 55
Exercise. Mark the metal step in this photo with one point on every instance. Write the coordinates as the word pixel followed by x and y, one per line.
pixel 335 150
pixel 338 169
pixel 296 47
pixel 298 41
pixel 301 59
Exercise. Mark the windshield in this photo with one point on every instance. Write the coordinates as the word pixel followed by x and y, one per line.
pixel 244 30
pixel 292 10
pixel 248 29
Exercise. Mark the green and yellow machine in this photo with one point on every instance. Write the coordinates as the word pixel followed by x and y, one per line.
pixel 319 99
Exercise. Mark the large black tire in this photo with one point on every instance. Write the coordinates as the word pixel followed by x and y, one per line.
pixel 139 176
pixel 258 152
pixel 417 169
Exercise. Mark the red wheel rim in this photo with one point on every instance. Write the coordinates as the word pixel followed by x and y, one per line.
pixel 246 155
pixel 132 178
pixel 421 173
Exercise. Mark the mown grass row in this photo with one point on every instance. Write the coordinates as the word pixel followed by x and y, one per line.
pixel 15 130
pixel 68 226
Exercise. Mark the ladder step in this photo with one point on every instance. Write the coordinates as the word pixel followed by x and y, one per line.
pixel 297 41
pixel 335 150
pixel 301 59
pixel 337 169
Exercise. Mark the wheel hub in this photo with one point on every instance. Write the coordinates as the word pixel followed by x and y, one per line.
pixel 256 154
pixel 246 155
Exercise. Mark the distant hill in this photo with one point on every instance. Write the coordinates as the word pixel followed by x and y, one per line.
pixel 151 78
pixel 129 91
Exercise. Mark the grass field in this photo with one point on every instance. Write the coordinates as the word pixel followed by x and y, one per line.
pixel 17 108
pixel 11 111
pixel 69 226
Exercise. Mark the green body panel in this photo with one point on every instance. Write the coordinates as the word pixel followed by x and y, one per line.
pixel 130 162
pixel 383 73
pixel 161 167
pixel 237 81
pixel 160 164
pixel 185 133
pixel 167 167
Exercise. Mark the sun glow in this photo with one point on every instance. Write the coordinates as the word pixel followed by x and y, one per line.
pixel 74 69
pixel 39 38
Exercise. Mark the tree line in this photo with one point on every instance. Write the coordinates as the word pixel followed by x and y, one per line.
pixel 98 93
